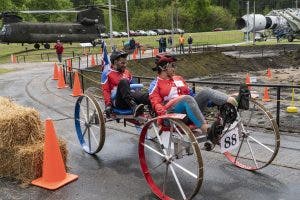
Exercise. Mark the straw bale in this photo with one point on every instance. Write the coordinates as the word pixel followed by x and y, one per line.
pixel 25 162
pixel 18 125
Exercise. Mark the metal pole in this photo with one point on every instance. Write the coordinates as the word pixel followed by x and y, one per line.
pixel 110 24
pixel 247 22
pixel 254 22
pixel 296 4
pixel 127 21
pixel 278 107
pixel 172 21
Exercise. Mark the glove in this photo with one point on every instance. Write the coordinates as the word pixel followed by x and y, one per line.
pixel 108 111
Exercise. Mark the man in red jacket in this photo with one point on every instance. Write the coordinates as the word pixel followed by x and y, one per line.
pixel 116 87
pixel 59 50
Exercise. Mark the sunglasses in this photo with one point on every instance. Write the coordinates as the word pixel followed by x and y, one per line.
pixel 123 62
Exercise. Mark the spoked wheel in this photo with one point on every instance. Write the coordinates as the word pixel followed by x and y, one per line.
pixel 170 160
pixel 89 124
pixel 259 138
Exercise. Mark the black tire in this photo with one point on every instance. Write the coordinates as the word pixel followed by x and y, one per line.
pixel 290 38
pixel 47 46
pixel 37 46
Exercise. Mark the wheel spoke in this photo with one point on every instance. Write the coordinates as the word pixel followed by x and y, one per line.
pixel 184 169
pixel 258 142
pixel 96 140
pixel 165 178
pixel 177 182
pixel 252 153
pixel 153 150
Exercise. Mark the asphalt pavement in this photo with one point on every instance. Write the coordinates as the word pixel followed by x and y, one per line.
pixel 114 173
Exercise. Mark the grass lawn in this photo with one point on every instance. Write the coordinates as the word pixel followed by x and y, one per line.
pixel 28 54
pixel 2 71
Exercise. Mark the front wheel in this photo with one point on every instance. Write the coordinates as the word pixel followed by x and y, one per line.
pixel 89 124
pixel 259 138
pixel 170 160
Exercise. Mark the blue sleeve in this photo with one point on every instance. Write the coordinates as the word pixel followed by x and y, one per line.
pixel 152 85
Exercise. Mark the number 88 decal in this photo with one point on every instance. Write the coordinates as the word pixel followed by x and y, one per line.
pixel 230 141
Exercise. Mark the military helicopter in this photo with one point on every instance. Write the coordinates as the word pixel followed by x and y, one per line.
pixel 88 26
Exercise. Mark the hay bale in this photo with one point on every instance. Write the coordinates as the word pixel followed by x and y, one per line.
pixel 25 162
pixel 18 125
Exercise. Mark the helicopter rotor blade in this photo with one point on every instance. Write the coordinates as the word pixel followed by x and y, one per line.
pixel 49 11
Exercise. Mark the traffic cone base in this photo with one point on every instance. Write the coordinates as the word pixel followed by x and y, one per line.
pixel 54 173
pixel 54 185
pixel 292 109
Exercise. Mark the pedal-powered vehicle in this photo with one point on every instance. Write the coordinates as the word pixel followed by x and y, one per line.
pixel 169 150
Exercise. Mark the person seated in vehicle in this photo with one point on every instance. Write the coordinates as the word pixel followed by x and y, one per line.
pixel 116 87
pixel 169 93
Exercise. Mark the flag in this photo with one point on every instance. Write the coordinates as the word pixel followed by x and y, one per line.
pixel 105 58
pixel 105 63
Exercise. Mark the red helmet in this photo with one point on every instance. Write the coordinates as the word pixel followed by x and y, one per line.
pixel 161 60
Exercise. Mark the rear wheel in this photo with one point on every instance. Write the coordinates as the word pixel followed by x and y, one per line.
pixel 259 138
pixel 170 160
pixel 47 46
pixel 89 124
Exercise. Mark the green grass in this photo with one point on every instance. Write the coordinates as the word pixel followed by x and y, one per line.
pixel 2 71
pixel 147 41
pixel 29 54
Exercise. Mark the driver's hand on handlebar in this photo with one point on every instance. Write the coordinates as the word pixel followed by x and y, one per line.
pixel 161 111
pixel 108 111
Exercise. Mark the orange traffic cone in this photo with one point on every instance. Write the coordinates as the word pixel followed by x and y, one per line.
pixel 248 81
pixel 134 55
pixel 155 52
pixel 13 58
pixel 54 173
pixel 266 96
pixel 69 65
pixel 93 62
pixel 143 51
pixel 55 72
pixel 61 79
pixel 77 91
pixel 269 73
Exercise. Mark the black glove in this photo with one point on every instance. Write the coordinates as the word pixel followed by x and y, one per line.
pixel 108 111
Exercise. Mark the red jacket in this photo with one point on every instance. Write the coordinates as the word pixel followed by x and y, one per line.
pixel 166 90
pixel 59 48
pixel 110 80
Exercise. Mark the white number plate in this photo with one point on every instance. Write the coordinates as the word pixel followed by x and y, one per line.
pixel 230 140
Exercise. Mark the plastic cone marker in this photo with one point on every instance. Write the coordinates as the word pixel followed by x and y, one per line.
pixel 61 79
pixel 292 108
pixel 54 173
pixel 55 72
pixel 269 73
pixel 266 96
pixel 248 81
pixel 77 91
pixel 93 62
